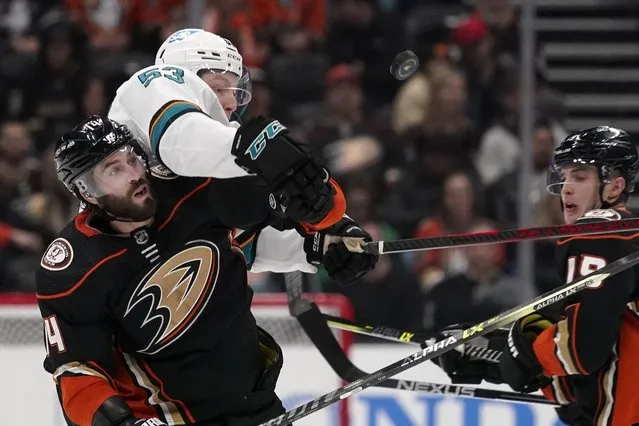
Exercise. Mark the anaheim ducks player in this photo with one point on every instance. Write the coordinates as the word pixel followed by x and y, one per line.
pixel 587 357
pixel 180 110
pixel 144 295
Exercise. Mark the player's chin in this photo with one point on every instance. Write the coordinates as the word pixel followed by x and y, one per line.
pixel 571 215
pixel 145 204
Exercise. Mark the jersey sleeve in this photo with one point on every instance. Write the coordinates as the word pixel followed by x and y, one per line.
pixel 78 336
pixel 179 119
pixel 583 339
pixel 273 250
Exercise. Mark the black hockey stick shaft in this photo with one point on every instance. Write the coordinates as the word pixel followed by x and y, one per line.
pixel 313 323
pixel 404 336
pixel 504 236
pixel 594 279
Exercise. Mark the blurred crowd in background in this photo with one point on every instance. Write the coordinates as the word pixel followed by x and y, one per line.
pixel 436 154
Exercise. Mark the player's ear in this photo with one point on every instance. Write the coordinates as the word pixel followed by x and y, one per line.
pixel 615 188
pixel 88 198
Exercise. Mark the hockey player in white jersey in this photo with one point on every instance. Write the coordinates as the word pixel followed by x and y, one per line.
pixel 181 109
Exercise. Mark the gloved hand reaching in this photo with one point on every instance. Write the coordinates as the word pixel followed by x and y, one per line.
pixel 459 363
pixel 302 189
pixel 518 364
pixel 338 249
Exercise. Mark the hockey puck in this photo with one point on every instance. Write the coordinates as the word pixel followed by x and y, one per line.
pixel 404 65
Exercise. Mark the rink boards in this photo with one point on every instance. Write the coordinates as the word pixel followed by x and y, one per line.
pixel 28 398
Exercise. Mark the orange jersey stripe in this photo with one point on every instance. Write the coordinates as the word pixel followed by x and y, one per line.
pixel 186 411
pixel 598 237
pixel 334 216
pixel 573 346
pixel 546 352
pixel 82 396
pixel 83 279
pixel 134 395
pixel 182 200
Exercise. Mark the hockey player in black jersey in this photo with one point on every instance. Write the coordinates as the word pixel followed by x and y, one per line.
pixel 585 359
pixel 144 295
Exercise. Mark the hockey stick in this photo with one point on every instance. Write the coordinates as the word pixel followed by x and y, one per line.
pixel 593 280
pixel 403 336
pixel 314 324
pixel 491 237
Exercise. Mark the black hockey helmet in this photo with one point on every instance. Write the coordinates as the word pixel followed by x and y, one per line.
pixel 86 145
pixel 605 147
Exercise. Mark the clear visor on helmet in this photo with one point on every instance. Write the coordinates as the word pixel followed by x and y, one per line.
pixel 569 172
pixel 228 83
pixel 122 174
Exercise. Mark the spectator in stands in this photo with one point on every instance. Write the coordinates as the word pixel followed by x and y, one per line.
pixel 308 15
pixel 458 213
pixel 53 87
pixel 108 23
pixel 481 291
pixel 501 17
pixel 19 44
pixel 446 125
pixel 51 207
pixel 234 20
pixel 343 114
pixel 261 94
pixel 20 244
pixel 94 98
pixel 360 35
pixel 502 197
pixel 18 23
pixel 477 58
pixel 499 148
pixel 413 100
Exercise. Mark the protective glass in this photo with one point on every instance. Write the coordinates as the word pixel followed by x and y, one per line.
pixel 558 175
pixel 115 174
pixel 240 87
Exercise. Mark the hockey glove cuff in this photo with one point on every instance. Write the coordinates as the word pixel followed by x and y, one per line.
pixel 518 364
pixel 462 365
pixel 301 187
pixel 114 411
pixel 338 249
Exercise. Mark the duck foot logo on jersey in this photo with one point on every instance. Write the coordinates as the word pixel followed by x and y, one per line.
pixel 170 298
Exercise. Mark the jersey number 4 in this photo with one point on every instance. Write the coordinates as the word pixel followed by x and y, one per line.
pixel 172 73
pixel 52 335
pixel 587 264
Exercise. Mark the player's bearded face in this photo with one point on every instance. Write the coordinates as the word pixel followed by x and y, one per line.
pixel 138 204
pixel 123 187
pixel 579 191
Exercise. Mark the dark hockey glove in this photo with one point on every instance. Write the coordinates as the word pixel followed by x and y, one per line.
pixel 338 249
pixel 301 187
pixel 115 412
pixel 462 363
pixel 147 422
pixel 518 364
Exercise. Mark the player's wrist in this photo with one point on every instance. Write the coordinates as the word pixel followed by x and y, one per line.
pixel 518 364
pixel 114 411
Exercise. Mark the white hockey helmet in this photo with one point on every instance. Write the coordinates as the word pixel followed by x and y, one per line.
pixel 197 50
